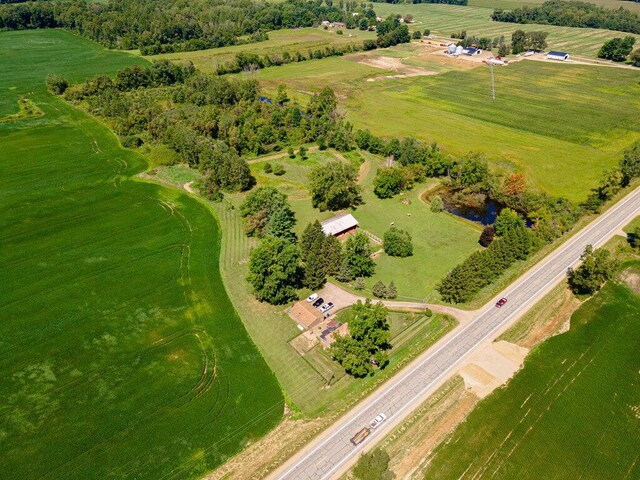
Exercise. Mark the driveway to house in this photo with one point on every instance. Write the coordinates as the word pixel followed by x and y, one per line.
pixel 342 299
pixel 332 453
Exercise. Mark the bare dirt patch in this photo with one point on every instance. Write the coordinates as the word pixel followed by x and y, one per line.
pixel 492 366
pixel 393 64
pixel 632 279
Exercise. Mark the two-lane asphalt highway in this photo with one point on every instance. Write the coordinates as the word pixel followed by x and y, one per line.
pixel 331 452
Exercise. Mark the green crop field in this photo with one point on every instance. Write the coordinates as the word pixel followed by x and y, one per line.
pixel 121 355
pixel 443 20
pixel 572 412
pixel 543 121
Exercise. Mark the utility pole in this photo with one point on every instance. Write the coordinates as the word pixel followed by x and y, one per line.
pixel 493 83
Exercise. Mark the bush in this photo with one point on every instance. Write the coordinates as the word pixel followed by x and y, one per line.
pixel 487 236
pixel 278 170
pixel 359 283
pixel 268 168
pixel 417 35
pixel 338 32
pixel 397 243
pixel 56 84
pixel 428 312
pixel 437 205
pixel 379 290
pixel 373 465
pixel 291 153
pixel 303 153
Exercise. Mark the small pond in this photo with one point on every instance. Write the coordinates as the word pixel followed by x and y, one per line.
pixel 485 212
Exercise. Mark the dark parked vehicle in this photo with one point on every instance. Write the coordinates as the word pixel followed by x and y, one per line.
pixel 318 302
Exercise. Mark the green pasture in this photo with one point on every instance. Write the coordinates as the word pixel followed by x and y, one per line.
pixel 443 20
pixel 289 40
pixel 440 240
pixel 572 412
pixel 511 4
pixel 121 355
pixel 561 125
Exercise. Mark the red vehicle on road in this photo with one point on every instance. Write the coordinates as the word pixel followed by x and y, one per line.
pixel 501 302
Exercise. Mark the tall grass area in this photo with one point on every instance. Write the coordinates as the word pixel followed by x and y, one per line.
pixel 121 355
pixel 444 20
pixel 572 412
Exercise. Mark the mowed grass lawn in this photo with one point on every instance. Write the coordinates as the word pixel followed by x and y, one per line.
pixel 121 355
pixel 572 412
pixel 443 20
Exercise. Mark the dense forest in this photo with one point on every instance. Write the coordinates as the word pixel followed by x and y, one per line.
pixel 156 26
pixel 572 14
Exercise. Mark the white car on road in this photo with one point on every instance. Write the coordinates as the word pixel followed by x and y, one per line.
pixel 381 417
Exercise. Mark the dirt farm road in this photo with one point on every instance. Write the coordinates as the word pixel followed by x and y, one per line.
pixel 332 453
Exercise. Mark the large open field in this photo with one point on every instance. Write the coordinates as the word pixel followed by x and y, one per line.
pixel 443 20
pixel 543 121
pixel 121 355
pixel 572 412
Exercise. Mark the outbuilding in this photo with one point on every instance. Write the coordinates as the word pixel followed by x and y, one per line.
pixel 471 51
pixel 340 225
pixel 553 55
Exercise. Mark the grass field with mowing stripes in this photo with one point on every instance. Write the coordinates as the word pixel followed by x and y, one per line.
pixel 121 355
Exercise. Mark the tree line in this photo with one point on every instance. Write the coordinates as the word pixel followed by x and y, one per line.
pixel 158 26
pixel 551 218
pixel 210 122
pixel 390 32
pixel 448 2
pixel 572 14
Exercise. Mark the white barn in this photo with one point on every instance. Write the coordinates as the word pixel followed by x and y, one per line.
pixel 558 56
pixel 339 225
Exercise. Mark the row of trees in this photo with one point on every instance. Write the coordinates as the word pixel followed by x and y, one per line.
pixel 618 49
pixel 572 14
pixel 481 268
pixel 521 41
pixel 596 268
pixel 156 26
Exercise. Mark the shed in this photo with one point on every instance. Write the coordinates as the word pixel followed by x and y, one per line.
pixel 553 55
pixel 339 225
pixel 472 51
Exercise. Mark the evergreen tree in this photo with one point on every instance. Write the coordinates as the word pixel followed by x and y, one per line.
pixel 331 255
pixel 314 277
pixel 379 290
pixel 311 239
pixel 359 284
pixel 281 223
pixel 630 163
pixel 392 292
